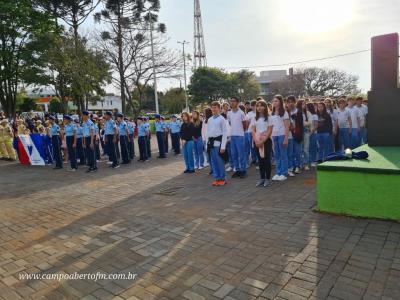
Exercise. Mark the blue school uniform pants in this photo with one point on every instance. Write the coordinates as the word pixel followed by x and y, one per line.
pixel 217 164
pixel 188 155
pixel 238 153
pixel 281 155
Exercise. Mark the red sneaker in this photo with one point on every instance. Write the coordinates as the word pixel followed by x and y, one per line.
pixel 221 182
pixel 215 183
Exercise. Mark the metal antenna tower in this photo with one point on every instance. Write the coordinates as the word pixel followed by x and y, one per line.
pixel 200 59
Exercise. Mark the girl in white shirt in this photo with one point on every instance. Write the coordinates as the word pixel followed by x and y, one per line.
pixel 313 147
pixel 262 131
pixel 280 135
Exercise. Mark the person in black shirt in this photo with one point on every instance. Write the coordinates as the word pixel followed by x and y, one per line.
pixel 198 141
pixel 187 133
pixel 324 132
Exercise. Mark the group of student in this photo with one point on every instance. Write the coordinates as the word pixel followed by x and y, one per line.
pixel 294 134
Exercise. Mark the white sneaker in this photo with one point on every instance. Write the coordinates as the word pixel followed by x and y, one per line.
pixel 71 170
pixel 307 168
pixel 297 171
pixel 282 178
pixel 201 168
pixel 257 168
pixel 229 169
pixel 276 177
pixel 109 163
pixel 291 174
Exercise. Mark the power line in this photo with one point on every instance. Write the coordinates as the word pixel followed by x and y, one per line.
pixel 301 61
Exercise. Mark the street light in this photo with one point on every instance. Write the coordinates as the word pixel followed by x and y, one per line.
pixel 184 72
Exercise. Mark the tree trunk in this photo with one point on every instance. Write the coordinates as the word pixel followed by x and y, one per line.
pixel 121 62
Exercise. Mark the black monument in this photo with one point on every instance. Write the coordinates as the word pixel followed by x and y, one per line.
pixel 383 119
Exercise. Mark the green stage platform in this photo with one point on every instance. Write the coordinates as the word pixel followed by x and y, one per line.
pixel 363 188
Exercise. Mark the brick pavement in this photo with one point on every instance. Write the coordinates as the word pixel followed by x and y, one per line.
pixel 185 239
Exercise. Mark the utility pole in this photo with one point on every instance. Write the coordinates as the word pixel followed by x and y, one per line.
pixel 184 72
pixel 154 67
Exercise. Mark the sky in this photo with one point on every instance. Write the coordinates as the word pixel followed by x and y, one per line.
pixel 242 33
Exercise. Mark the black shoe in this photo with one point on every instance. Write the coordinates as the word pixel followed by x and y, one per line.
pixel 57 168
pixel 186 171
pixel 243 175
pixel 90 170
pixel 161 157
pixel 191 171
pixel 236 174
pixel 115 167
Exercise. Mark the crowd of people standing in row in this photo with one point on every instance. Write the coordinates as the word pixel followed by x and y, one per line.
pixel 230 136
pixel 293 134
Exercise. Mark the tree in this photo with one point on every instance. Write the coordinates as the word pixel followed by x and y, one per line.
pixel 123 18
pixel 316 82
pixel 247 83
pixel 22 33
pixel 292 85
pixel 77 71
pixel 208 84
pixel 328 82
pixel 56 105
pixel 24 103
pixel 174 100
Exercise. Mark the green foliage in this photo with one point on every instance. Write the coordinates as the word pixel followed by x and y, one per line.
pixel 246 82
pixel 24 103
pixel 208 84
pixel 55 105
pixel 80 72
pixel 174 101
pixel 23 31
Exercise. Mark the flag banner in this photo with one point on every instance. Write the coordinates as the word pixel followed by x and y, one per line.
pixel 31 150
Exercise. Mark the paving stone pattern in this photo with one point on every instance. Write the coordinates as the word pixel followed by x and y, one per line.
pixel 185 239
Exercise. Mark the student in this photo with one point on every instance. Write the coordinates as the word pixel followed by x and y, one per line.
pixel 362 112
pixel 148 136
pixel 70 137
pixel 355 123
pixel 160 133
pixel 333 113
pixel 294 145
pixel 89 141
pixel 111 133
pixel 249 149
pixel 307 124
pixel 207 116
pixel 198 141
pixel 280 136
pixel 166 134
pixel 175 128
pixel 313 135
pixel 131 137
pixel 216 143
pixel 237 120
pixel 56 142
pixel 142 134
pixel 262 131
pixel 186 134
pixel 123 138
pixel 344 125
pixel 324 132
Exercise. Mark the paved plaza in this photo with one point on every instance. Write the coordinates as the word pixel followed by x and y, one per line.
pixel 185 239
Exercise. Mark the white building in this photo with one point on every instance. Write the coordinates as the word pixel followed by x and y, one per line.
pixel 266 77
pixel 109 102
